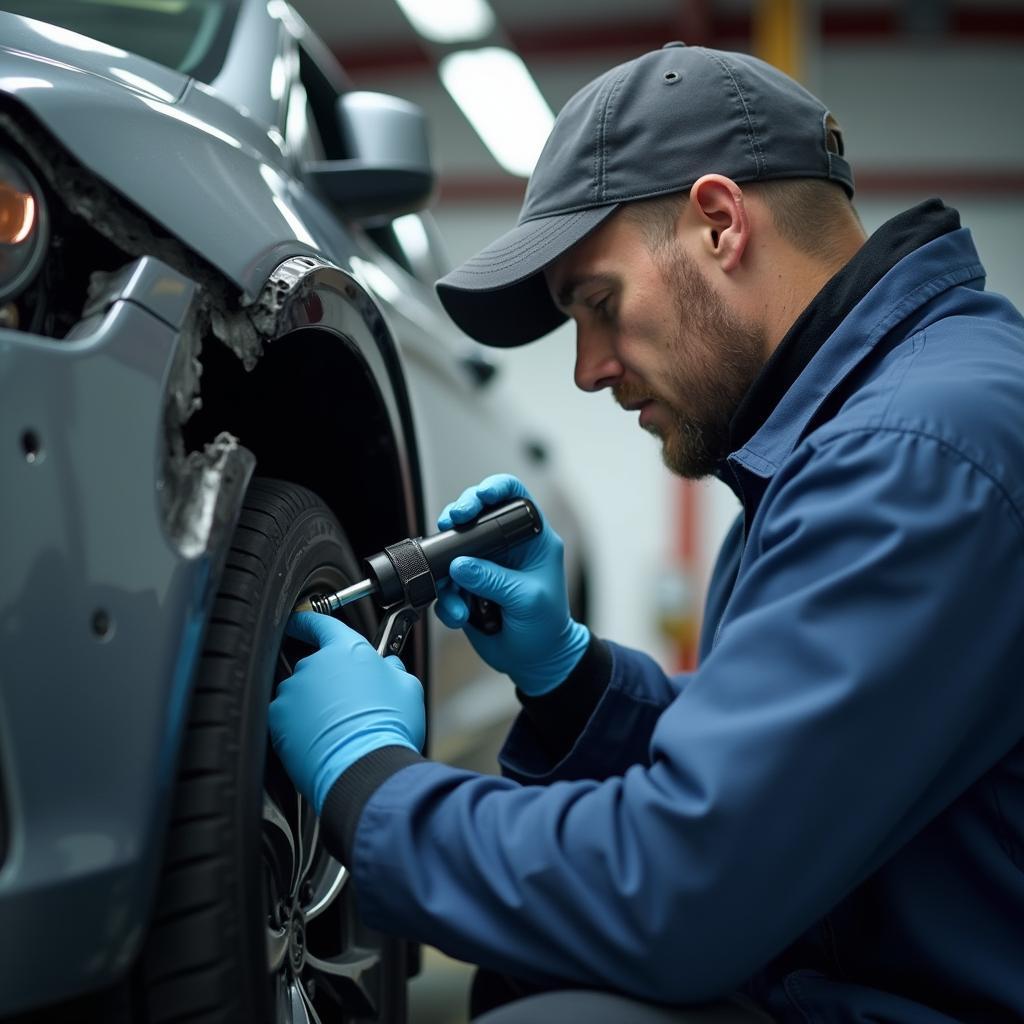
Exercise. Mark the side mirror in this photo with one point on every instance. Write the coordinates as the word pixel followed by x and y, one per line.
pixel 389 171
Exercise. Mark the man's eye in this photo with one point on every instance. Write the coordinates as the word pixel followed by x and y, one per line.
pixel 601 309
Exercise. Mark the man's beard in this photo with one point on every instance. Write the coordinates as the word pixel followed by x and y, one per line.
pixel 716 358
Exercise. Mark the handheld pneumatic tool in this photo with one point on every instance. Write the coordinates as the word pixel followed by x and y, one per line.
pixel 404 576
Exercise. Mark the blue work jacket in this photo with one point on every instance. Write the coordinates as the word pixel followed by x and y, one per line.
pixel 829 812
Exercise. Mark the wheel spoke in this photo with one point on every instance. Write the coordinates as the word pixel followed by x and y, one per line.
pixel 310 1008
pixel 300 832
pixel 284 1007
pixel 335 876
pixel 277 948
pixel 297 1004
pixel 352 964
pixel 275 823
pixel 352 967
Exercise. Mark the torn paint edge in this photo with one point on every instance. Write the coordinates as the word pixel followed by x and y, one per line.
pixel 208 493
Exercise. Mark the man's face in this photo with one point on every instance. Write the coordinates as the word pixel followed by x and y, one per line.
pixel 652 329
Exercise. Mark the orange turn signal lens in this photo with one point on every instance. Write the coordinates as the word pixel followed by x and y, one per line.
pixel 24 227
pixel 17 215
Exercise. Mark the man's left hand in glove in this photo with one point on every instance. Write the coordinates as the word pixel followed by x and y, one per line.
pixel 341 703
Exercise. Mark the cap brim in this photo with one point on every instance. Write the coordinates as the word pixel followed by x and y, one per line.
pixel 499 296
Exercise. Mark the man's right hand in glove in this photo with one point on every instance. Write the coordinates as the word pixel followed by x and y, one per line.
pixel 539 643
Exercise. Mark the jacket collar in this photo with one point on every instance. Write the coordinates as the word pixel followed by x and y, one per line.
pixel 894 240
pixel 822 366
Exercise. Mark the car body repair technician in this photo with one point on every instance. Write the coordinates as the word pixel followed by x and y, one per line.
pixel 828 814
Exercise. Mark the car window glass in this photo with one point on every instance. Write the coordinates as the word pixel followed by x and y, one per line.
pixel 322 101
pixel 301 133
pixel 190 36
pixel 385 238
pixel 414 243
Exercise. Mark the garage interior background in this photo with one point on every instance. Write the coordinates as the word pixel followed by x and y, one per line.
pixel 929 94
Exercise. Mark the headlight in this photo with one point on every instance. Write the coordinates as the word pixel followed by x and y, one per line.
pixel 23 226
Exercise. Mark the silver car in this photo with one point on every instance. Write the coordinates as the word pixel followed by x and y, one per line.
pixel 224 380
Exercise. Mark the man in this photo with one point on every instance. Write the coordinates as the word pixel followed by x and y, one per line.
pixel 828 815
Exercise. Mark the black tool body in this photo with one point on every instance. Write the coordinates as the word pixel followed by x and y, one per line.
pixel 404 576
pixel 410 569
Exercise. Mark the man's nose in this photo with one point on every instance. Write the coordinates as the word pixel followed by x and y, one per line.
pixel 597 366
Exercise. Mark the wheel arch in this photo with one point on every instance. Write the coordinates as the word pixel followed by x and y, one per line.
pixel 324 404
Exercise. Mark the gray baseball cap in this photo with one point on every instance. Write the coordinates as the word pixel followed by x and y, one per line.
pixel 646 128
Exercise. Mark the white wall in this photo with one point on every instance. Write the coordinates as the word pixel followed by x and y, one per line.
pixel 627 498
pixel 611 466
pixel 941 109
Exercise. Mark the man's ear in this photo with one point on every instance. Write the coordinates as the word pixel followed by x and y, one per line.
pixel 717 210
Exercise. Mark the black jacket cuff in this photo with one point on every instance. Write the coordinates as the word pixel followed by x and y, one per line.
pixel 559 716
pixel 343 805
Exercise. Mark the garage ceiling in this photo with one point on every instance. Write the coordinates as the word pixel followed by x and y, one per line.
pixel 358 28
pixel 567 42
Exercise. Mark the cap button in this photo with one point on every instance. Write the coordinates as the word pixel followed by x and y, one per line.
pixel 675 42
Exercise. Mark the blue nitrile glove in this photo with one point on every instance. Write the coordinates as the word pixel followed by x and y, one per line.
pixel 539 643
pixel 340 703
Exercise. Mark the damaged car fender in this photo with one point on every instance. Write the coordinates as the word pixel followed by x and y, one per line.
pixel 119 545
pixel 128 525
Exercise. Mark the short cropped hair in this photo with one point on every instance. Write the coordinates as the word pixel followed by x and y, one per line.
pixel 808 212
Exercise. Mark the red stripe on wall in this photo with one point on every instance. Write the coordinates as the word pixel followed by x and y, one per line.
pixel 1000 184
pixel 631 38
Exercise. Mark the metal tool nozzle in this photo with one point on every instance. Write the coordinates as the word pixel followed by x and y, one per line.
pixel 328 604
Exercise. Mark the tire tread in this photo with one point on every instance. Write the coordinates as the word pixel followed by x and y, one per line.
pixel 191 968
pixel 191 927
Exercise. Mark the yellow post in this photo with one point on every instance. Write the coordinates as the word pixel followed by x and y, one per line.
pixel 779 35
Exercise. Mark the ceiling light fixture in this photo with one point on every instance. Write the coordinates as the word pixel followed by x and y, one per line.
pixel 451 21
pixel 500 99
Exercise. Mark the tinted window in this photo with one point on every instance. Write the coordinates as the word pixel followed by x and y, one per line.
pixel 190 36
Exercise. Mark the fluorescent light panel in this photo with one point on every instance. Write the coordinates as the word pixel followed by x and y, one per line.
pixel 412 236
pixel 449 21
pixel 500 99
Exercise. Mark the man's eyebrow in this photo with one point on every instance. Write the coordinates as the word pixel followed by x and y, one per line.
pixel 568 290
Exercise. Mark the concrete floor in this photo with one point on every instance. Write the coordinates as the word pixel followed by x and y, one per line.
pixel 439 994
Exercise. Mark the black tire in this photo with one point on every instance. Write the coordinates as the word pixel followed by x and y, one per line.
pixel 224 906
